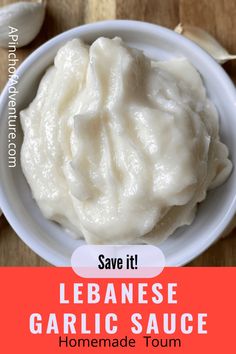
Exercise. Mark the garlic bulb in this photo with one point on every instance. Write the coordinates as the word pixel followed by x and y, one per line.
pixel 26 17
pixel 206 42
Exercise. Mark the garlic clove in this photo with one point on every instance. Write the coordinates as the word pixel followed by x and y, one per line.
pixel 206 42
pixel 26 17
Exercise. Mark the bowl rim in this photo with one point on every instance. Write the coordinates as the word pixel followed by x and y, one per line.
pixel 45 251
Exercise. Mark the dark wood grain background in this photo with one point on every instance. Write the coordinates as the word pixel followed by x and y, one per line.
pixel 216 16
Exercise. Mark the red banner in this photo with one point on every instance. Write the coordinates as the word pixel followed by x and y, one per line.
pixel 183 310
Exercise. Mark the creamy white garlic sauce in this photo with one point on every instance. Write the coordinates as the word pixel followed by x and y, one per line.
pixel 118 147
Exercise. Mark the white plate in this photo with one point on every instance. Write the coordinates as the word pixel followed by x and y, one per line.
pixel 48 239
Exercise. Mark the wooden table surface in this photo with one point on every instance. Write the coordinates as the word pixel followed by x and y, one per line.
pixel 216 16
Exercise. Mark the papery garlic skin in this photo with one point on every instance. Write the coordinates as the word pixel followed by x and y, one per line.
pixel 26 17
pixel 206 42
pixel 119 147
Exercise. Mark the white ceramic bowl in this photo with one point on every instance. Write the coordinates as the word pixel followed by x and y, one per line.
pixel 47 238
